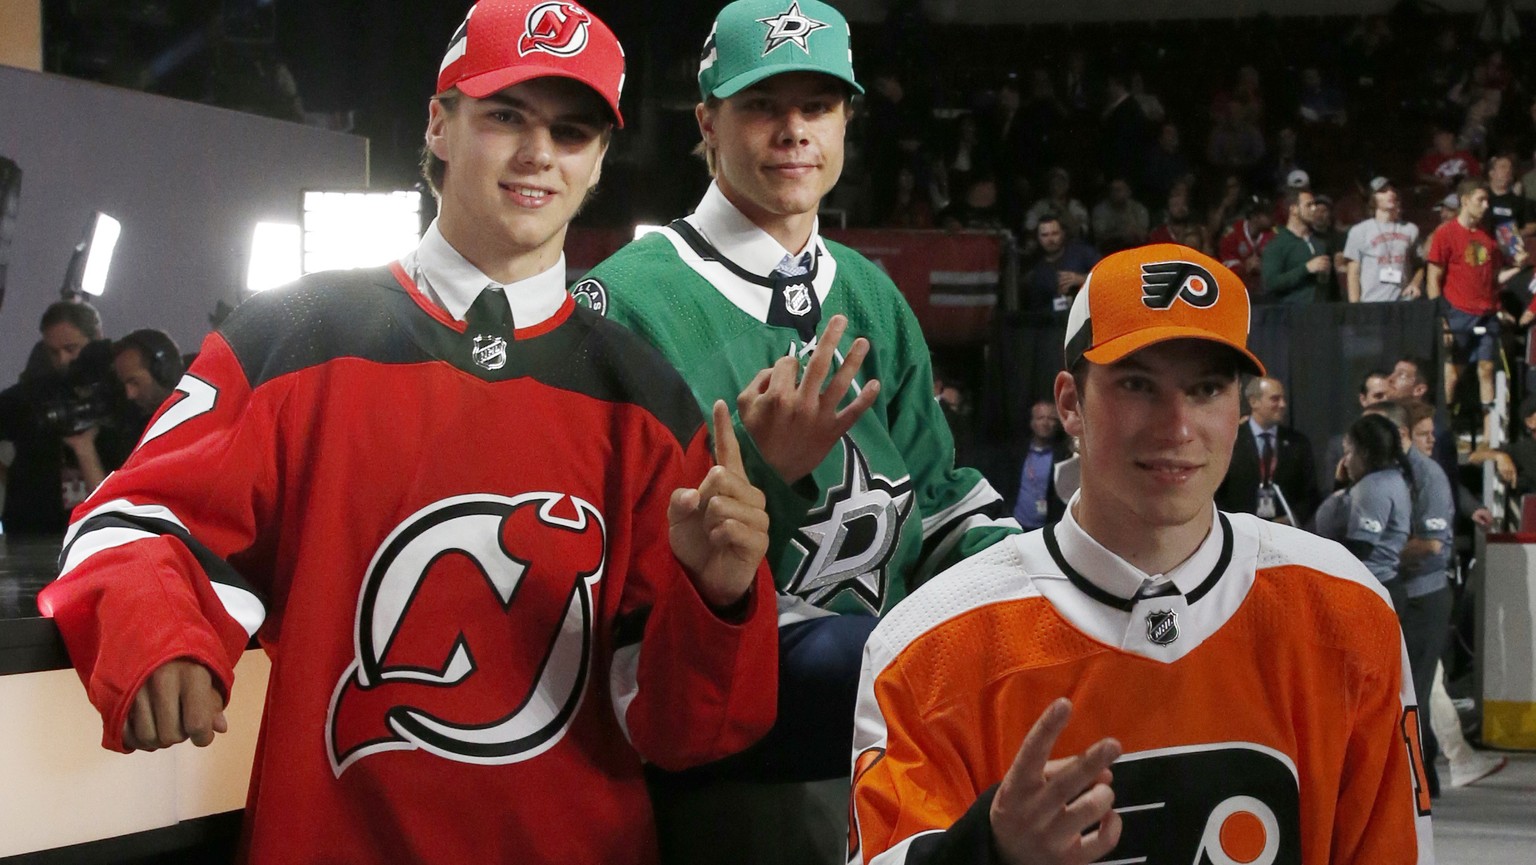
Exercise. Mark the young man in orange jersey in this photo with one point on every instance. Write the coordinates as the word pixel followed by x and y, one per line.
pixel 1253 676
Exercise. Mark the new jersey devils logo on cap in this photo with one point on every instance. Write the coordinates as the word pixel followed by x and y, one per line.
pixel 1163 282
pixel 474 632
pixel 555 28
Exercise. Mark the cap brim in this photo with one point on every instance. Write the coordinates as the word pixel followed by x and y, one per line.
pixel 732 86
pixel 1122 347
pixel 488 83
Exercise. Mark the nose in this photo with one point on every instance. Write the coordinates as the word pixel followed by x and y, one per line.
pixel 536 148
pixel 1175 420
pixel 792 130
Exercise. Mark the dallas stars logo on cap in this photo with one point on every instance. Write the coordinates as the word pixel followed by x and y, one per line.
pixel 789 27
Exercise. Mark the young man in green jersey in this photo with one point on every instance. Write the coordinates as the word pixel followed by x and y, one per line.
pixel 834 394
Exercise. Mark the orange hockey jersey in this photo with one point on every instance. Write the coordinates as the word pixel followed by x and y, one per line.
pixel 1259 690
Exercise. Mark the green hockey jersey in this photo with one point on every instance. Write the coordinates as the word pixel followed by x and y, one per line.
pixel 887 507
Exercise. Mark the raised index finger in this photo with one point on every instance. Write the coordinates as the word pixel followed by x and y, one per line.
pixel 1028 767
pixel 727 449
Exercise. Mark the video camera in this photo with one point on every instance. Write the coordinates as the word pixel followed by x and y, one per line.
pixel 87 394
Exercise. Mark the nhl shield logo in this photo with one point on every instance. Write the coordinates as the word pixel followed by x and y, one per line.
pixel 797 298
pixel 490 352
pixel 1162 627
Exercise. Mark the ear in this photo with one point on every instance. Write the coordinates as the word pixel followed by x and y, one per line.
pixel 597 165
pixel 706 119
pixel 437 125
pixel 1069 404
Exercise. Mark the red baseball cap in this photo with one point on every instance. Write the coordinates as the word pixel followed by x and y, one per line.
pixel 1152 294
pixel 507 42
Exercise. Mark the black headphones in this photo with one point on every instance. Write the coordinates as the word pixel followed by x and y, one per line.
pixel 161 356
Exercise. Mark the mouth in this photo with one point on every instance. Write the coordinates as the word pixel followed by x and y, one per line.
pixel 792 169
pixel 528 196
pixel 1169 471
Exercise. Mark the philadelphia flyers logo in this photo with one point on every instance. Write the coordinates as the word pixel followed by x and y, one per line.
pixel 1163 282
pixel 555 28
pixel 474 632
pixel 1231 803
pixel 861 767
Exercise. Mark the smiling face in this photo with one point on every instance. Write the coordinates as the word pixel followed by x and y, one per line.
pixel 519 165
pixel 1156 431
pixel 779 149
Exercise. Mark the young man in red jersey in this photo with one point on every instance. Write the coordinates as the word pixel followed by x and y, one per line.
pixel 476 528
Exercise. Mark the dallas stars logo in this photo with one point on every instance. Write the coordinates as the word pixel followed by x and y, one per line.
pixel 850 540
pixel 790 27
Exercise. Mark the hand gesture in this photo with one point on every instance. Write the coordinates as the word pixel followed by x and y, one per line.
pixel 719 532
pixel 795 425
pixel 1042 809
pixel 1504 466
pixel 176 703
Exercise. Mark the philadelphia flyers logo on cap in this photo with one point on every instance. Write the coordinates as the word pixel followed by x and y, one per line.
pixel 1163 282
pixel 555 28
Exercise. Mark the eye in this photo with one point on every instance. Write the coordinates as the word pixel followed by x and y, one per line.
pixel 572 133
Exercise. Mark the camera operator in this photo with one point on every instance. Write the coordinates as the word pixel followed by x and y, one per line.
pixel 66 420
pixel 148 364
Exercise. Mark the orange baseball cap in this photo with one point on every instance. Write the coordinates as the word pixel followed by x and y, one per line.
pixel 1152 294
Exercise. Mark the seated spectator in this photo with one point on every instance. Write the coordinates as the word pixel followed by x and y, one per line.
pixel 1297 265
pixel 1373 516
pixel 1235 144
pixel 1119 221
pixel 910 208
pixel 1481 114
pixel 977 211
pixel 1319 101
pixel 1444 163
pixel 1058 272
pixel 1177 219
pixel 1059 201
pixel 1381 254
pixel 1151 106
pixel 1242 246
pixel 1165 165
pixel 1283 168
pixel 966 156
pixel 1244 99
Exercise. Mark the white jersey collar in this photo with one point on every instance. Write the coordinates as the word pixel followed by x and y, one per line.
pixel 740 239
pixel 1114 576
pixel 453 283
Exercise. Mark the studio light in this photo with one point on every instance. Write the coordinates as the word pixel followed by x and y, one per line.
pixel 343 230
pixel 275 258
pixel 92 257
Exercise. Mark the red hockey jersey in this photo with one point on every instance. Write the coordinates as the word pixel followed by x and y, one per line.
pixel 1261 697
pixel 461 572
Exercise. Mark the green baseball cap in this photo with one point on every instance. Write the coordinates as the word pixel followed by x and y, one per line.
pixel 755 39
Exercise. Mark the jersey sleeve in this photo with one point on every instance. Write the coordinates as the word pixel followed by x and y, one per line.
pixel 1383 812
pixel 913 801
pixel 1439 252
pixel 145 573
pixel 962 514
pixel 689 685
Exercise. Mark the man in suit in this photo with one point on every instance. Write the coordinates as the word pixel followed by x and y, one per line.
pixel 1031 481
pixel 1271 475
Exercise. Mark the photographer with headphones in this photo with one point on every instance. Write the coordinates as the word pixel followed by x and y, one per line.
pixel 149 364
pixel 67 419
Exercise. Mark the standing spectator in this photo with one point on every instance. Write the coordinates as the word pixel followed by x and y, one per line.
pixel 1242 247
pixel 1444 163
pixel 1511 220
pixel 1411 380
pixel 1283 168
pixel 1119 221
pixel 1324 229
pixel 1151 106
pixel 1043 125
pixel 1467 266
pixel 1528 180
pixel 1035 503
pixel 1381 253
pixel 1372 517
pixel 1165 165
pixel 1063 263
pixel 1271 474
pixel 1374 389
pixel 1297 265
pixel 1124 132
pixel 1059 201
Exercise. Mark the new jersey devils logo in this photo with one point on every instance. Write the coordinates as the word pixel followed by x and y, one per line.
pixel 474 631
pixel 555 28
pixel 1163 282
